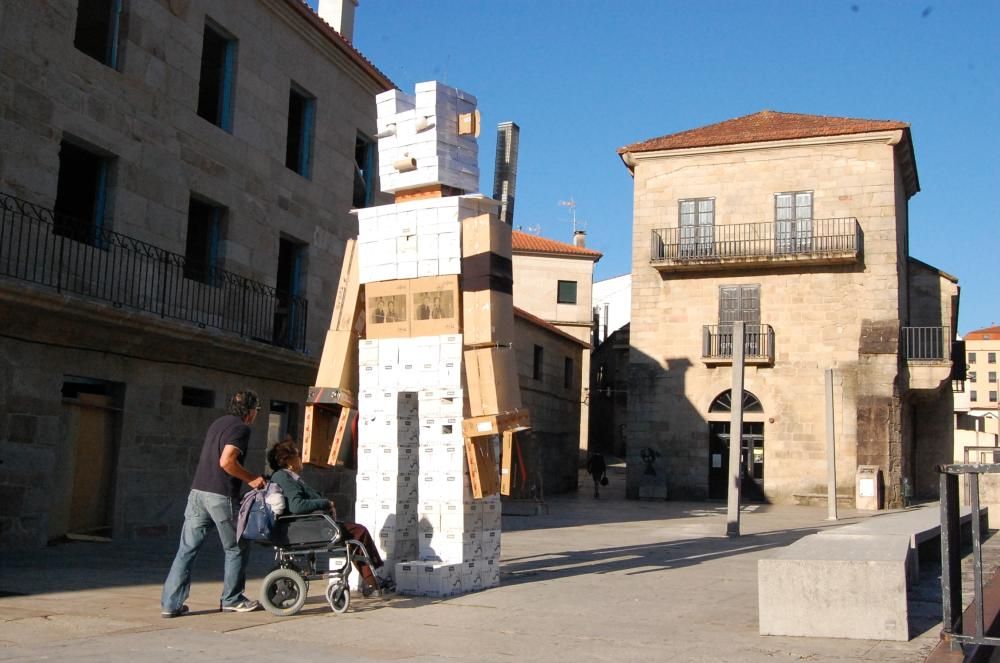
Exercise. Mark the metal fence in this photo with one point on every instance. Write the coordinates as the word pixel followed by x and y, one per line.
pixel 951 554
pixel 758 342
pixel 40 247
pixel 745 240
pixel 926 343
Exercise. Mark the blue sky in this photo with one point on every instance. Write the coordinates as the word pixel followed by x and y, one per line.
pixel 586 77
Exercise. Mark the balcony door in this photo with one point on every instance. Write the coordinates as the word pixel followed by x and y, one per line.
pixel 288 313
pixel 697 227
pixel 793 226
pixel 739 302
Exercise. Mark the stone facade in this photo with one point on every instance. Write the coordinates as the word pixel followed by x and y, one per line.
pixel 550 447
pixel 160 382
pixel 536 277
pixel 846 316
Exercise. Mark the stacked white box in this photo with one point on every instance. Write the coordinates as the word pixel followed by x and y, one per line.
pixel 414 491
pixel 415 238
pixel 423 130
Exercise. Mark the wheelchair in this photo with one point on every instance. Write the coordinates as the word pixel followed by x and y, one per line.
pixel 297 540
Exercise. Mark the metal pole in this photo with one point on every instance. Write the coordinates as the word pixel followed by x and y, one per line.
pixel 831 451
pixel 736 434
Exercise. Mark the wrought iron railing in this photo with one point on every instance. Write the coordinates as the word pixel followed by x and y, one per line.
pixel 758 342
pixel 750 240
pixel 41 247
pixel 926 343
pixel 951 555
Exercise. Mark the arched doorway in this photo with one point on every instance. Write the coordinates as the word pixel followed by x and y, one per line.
pixel 751 447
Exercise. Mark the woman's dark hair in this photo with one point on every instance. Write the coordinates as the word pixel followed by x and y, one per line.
pixel 242 403
pixel 281 453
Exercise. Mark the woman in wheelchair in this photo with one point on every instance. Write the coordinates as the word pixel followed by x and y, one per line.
pixel 286 461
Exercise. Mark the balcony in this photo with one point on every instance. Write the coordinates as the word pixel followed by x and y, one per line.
pixel 42 248
pixel 717 345
pixel 928 352
pixel 748 245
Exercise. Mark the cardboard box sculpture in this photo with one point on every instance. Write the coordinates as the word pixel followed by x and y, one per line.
pixel 435 365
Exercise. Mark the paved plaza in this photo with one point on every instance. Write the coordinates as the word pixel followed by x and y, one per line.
pixel 593 580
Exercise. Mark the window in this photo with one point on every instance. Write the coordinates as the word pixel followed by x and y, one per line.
pixel 298 147
pixel 195 397
pixel 972 357
pixel 739 302
pixel 993 397
pixel 793 226
pixel 972 376
pixel 972 395
pixel 215 88
pixel 364 169
pixel 202 251
pixel 282 418
pixel 289 316
pixel 697 226
pixel 97 29
pixel 568 372
pixel 536 367
pixel 566 292
pixel 991 357
pixel 80 193
pixel 992 376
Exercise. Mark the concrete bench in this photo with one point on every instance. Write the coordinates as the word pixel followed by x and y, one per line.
pixel 848 582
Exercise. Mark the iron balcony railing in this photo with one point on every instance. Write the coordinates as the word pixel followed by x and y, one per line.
pixel 49 249
pixel 751 240
pixel 758 342
pixel 926 343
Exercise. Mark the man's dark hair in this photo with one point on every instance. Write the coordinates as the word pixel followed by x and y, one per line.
pixel 243 403
pixel 281 454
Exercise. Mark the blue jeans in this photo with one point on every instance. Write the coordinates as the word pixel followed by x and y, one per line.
pixel 203 510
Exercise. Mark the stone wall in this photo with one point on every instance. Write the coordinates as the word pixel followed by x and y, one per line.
pixel 551 447
pixel 844 317
pixel 141 115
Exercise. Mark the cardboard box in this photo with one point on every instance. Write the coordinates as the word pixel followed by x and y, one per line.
pixel 486 233
pixel 435 306
pixel 386 307
pixel 320 432
pixel 337 365
pixel 487 317
pixel 343 438
pixel 491 376
pixel 348 301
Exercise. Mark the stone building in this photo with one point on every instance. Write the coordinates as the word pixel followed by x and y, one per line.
pixel 798 226
pixel 554 282
pixel 174 186
pixel 549 362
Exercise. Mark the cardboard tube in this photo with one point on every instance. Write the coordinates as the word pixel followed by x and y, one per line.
pixel 405 164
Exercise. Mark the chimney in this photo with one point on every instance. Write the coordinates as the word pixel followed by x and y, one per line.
pixel 505 169
pixel 340 15
pixel 579 239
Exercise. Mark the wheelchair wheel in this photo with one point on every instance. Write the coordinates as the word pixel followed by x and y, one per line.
pixel 283 592
pixel 339 598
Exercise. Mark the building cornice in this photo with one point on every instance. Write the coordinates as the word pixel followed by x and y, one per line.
pixel 893 137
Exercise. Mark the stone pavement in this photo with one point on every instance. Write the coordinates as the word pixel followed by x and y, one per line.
pixel 594 580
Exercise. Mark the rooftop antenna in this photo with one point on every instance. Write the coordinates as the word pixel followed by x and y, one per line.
pixel 571 204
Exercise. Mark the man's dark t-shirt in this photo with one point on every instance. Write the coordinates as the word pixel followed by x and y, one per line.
pixel 209 477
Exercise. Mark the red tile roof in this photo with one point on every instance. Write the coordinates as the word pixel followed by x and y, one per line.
pixel 985 334
pixel 535 320
pixel 763 127
pixel 528 243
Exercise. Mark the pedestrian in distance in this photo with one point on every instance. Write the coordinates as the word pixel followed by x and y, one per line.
pixel 598 472
pixel 213 500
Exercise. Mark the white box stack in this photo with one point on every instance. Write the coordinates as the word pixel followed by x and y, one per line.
pixel 414 493
pixel 422 131
pixel 388 461
pixel 416 238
